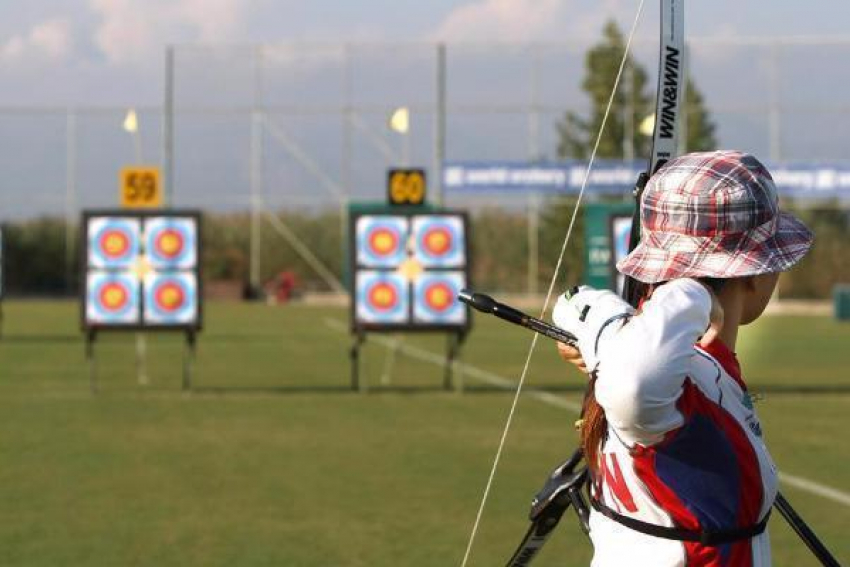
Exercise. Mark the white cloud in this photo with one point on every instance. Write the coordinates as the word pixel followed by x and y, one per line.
pixel 49 40
pixel 524 20
pixel 137 30
pixel 508 20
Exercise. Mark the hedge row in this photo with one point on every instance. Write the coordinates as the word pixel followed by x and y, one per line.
pixel 38 261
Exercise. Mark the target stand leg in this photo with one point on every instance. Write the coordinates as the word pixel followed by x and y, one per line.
pixel 354 357
pixel 141 359
pixel 188 360
pixel 455 340
pixel 452 345
pixel 92 361
pixel 389 361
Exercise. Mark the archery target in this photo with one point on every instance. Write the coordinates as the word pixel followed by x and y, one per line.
pixel 439 241
pixel 113 242
pixel 381 298
pixel 435 299
pixel 381 240
pixel 621 232
pixel 171 298
pixel 171 242
pixel 112 298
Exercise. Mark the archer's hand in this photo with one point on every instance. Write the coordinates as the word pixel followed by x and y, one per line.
pixel 586 313
pixel 573 356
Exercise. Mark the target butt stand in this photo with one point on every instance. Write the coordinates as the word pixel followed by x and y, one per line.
pixel 454 342
pixel 406 266
pixel 141 273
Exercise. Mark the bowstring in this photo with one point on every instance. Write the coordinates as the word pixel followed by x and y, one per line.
pixel 551 286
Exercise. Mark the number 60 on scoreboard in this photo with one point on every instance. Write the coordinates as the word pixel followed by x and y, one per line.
pixel 406 186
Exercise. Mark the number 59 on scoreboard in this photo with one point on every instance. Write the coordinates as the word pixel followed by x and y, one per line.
pixel 140 187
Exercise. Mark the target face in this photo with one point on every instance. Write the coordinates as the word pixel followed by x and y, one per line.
pixel 407 267
pixel 170 298
pixel 171 243
pixel 112 298
pixel 435 299
pixel 113 242
pixel 622 230
pixel 381 241
pixel 439 241
pixel 381 298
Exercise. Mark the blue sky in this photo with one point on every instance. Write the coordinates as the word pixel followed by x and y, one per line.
pixel 88 54
pixel 111 51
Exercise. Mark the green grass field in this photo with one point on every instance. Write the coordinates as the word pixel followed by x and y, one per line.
pixel 271 460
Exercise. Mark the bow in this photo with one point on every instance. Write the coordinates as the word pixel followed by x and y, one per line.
pixel 668 105
pixel 564 485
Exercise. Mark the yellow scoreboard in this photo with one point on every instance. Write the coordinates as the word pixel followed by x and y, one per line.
pixel 140 187
pixel 406 186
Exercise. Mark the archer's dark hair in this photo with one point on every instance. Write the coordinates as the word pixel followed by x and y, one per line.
pixel 716 284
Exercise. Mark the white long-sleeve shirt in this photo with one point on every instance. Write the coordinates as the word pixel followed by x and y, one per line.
pixel 684 446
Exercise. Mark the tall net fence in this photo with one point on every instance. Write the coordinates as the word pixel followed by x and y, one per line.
pixel 277 139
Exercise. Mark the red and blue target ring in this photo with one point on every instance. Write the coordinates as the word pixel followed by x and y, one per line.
pixel 169 243
pixel 383 296
pixel 439 297
pixel 439 240
pixel 383 241
pixel 170 299
pixel 113 298
pixel 114 244
pixel 169 296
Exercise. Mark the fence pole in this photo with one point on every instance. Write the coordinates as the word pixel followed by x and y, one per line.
pixel 440 125
pixel 70 194
pixel 534 155
pixel 533 241
pixel 168 129
pixel 347 147
pixel 774 116
pixel 256 174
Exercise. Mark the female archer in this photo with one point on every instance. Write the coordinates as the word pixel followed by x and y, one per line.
pixel 681 475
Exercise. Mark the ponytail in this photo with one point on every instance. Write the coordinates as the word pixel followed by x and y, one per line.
pixel 594 427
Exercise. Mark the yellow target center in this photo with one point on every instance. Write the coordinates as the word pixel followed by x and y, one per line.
pixel 113 297
pixel 440 297
pixel 383 296
pixel 114 244
pixel 170 297
pixel 438 241
pixel 383 242
pixel 169 244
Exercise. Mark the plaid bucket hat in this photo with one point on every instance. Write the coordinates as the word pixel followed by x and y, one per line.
pixel 713 214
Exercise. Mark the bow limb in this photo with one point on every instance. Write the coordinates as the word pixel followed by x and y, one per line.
pixel 669 103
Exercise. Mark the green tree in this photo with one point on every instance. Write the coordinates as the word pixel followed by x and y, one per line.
pixel 699 128
pixel 633 102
